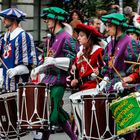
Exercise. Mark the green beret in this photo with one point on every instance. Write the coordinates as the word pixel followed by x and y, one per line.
pixel 54 13
pixel 133 29
pixel 115 18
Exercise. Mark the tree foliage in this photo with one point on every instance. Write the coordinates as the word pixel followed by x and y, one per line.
pixel 88 7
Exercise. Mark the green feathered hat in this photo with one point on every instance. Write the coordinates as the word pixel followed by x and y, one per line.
pixel 54 13
pixel 115 18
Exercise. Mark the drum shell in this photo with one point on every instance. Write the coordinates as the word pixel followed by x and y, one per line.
pixel 101 113
pixel 8 116
pixel 28 117
pixel 87 103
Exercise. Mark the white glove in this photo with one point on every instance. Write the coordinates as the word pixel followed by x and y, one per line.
pixel 49 61
pixel 103 83
pixel 94 76
pixel 18 70
pixel 38 70
pixel 60 62
pixel 118 87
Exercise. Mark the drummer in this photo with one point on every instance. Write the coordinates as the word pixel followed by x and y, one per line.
pixel 61 52
pixel 18 52
pixel 87 63
pixel 133 76
pixel 132 80
pixel 119 49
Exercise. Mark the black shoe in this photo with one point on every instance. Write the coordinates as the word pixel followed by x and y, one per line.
pixel 57 129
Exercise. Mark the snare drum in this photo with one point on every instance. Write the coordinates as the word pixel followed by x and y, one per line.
pixel 92 115
pixel 126 112
pixel 8 116
pixel 33 106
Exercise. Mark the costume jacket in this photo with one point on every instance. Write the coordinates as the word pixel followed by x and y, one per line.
pixel 17 48
pixel 125 49
pixel 63 45
pixel 84 70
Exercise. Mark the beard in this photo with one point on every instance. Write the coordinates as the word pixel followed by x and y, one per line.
pixel 8 25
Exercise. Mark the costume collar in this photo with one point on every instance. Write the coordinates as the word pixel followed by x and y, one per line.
pixel 13 34
pixel 121 36
pixel 95 47
pixel 61 30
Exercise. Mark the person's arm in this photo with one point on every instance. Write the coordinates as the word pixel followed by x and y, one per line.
pixel 18 70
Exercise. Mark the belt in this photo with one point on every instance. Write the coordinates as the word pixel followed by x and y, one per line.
pixel 85 79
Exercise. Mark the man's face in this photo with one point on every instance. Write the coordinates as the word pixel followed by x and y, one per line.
pixel 133 35
pixel 110 29
pixel 50 23
pixel 7 22
pixel 97 24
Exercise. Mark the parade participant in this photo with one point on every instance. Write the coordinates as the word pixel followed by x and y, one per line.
pixel 18 52
pixel 130 14
pixel 132 76
pixel 76 14
pixel 60 55
pixel 118 50
pixel 90 51
pixel 95 22
pixel 132 80
pixel 73 24
pixel 134 31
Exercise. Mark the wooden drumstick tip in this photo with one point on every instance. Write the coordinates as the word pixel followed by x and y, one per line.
pixel 132 62
pixel 73 67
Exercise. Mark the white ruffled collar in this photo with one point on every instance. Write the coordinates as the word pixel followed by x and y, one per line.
pixel 13 34
pixel 95 47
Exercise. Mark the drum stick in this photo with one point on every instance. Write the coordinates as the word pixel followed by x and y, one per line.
pixel 74 69
pixel 48 43
pixel 117 72
pixel 3 64
pixel 131 62
pixel 91 67
pixel 40 49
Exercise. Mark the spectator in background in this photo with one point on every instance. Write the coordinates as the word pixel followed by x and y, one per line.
pixel 128 11
pixel 114 9
pixel 100 13
pixel 73 24
pixel 95 22
pixel 76 14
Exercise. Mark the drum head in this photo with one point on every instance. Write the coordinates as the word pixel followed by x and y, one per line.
pixel 8 95
pixel 77 95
